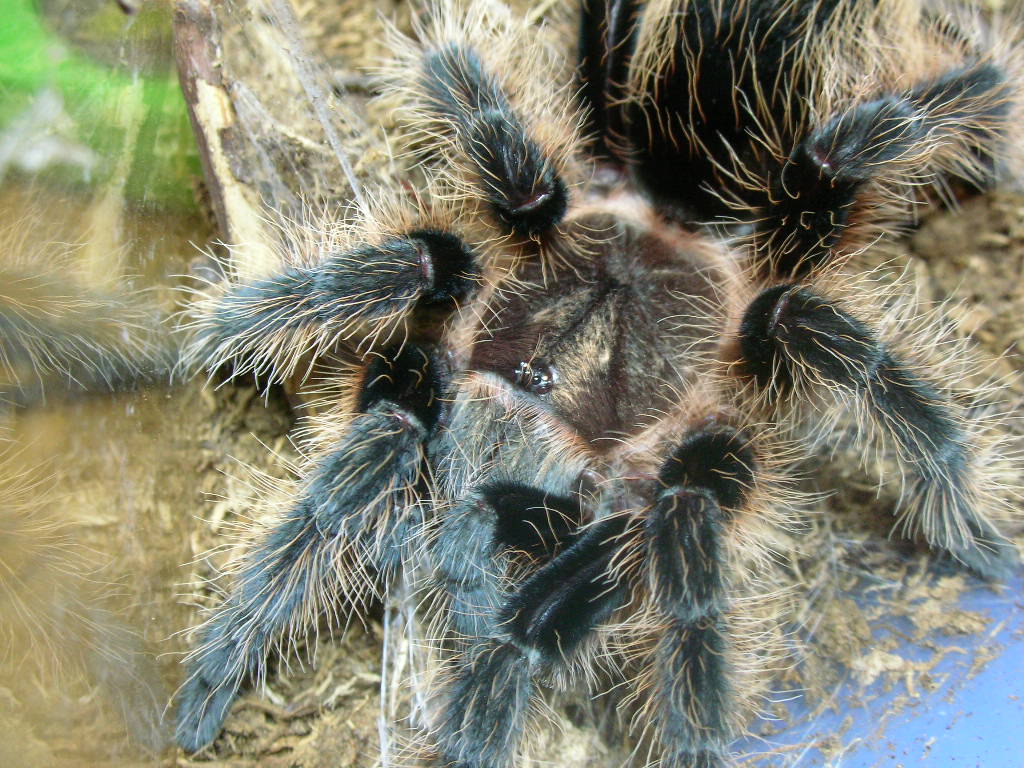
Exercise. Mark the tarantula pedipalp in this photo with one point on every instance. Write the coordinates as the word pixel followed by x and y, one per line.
pixel 572 397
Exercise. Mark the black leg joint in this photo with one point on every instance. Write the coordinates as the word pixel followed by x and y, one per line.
pixel 559 606
pixel 409 376
pixel 532 521
pixel 449 266
pixel 719 460
pixel 787 327
pixel 517 180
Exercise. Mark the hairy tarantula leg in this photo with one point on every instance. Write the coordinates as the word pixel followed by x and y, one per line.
pixel 354 513
pixel 607 32
pixel 511 170
pixel 939 125
pixel 500 516
pixel 539 627
pixel 57 337
pixel 365 290
pixel 790 335
pixel 708 477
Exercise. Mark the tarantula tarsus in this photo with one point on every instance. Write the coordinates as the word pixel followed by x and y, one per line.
pixel 573 396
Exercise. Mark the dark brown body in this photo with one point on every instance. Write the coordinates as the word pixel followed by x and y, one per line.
pixel 617 327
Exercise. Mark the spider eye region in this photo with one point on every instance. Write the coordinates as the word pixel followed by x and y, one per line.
pixel 537 378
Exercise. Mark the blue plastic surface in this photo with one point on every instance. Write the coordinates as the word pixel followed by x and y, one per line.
pixel 974 716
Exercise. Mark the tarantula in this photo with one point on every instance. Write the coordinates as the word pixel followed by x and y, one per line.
pixel 599 337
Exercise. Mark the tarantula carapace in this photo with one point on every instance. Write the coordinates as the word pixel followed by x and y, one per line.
pixel 578 407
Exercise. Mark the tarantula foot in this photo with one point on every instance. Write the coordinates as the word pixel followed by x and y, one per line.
pixel 487 700
pixel 202 707
pixel 702 759
pixel 986 553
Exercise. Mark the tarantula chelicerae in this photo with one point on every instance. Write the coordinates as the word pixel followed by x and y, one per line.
pixel 577 405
